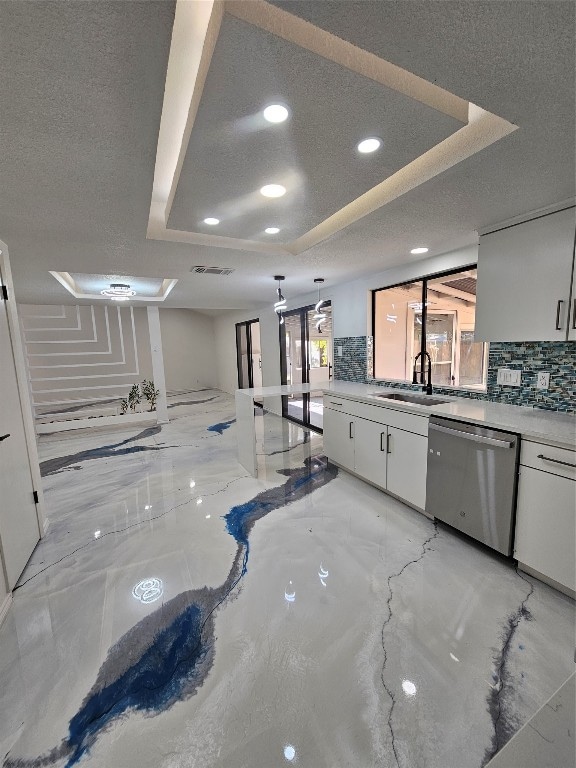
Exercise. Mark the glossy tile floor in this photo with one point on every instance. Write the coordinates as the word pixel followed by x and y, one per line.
pixel 181 613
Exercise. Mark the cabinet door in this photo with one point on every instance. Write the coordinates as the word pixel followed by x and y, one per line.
pixel 545 525
pixel 370 441
pixel 523 272
pixel 407 461
pixel 572 318
pixel 339 437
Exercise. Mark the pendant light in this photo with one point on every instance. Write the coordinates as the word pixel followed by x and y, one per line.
pixel 320 316
pixel 280 305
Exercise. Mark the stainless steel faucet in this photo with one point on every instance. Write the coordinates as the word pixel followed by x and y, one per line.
pixel 428 386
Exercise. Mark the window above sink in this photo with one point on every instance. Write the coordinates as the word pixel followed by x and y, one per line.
pixel 435 314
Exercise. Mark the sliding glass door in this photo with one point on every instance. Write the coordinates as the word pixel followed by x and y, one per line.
pixel 248 354
pixel 306 358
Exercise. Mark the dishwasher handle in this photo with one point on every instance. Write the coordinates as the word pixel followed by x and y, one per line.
pixel 475 438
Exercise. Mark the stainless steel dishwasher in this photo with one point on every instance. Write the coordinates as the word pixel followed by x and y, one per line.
pixel 472 479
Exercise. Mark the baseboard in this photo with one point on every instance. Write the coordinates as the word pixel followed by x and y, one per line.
pixel 48 428
pixel 547 580
pixel 5 606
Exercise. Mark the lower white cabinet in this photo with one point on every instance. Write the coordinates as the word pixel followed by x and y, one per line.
pixel 387 456
pixel 339 436
pixel 545 539
pixel 407 460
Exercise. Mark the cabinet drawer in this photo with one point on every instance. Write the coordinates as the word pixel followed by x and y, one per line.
pixel 557 461
pixel 393 417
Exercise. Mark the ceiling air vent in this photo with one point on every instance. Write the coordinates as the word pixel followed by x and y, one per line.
pixel 212 270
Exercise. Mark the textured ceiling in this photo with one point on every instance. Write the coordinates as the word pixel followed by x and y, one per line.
pixel 81 97
pixel 233 151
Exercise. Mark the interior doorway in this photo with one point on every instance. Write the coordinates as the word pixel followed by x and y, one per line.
pixel 306 351
pixel 249 354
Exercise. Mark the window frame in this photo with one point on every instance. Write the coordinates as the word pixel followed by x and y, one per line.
pixel 425 279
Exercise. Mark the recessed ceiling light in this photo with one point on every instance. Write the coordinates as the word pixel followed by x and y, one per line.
pixel 212 221
pixel 272 230
pixel 415 251
pixel 275 113
pixel 369 145
pixel 273 190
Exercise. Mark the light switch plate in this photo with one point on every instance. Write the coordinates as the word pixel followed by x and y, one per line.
pixel 339 351
pixel 543 380
pixel 509 377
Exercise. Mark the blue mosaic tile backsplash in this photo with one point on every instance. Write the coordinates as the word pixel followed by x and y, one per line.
pixel 556 357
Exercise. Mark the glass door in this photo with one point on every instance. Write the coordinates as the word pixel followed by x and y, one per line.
pixel 248 354
pixel 306 358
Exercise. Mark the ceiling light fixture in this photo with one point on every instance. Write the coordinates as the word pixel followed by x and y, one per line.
pixel 118 292
pixel 320 317
pixel 369 145
pixel 273 190
pixel 275 113
pixel 211 221
pixel 272 230
pixel 415 251
pixel 280 305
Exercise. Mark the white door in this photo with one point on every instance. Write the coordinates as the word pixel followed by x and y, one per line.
pixel 407 463
pixel 338 437
pixel 19 532
pixel 370 444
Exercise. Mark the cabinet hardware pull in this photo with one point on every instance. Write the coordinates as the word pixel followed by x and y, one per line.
pixel 558 310
pixel 556 461
pixel 350 433
pixel 333 402
pixel 381 441
pixel 388 436
pixel 3 437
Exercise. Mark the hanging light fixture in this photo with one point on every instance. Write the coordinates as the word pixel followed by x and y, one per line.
pixel 118 292
pixel 280 305
pixel 320 316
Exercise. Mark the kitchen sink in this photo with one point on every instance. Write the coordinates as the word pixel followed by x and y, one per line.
pixel 416 399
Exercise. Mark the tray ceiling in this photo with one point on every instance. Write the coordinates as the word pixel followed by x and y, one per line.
pixel 233 151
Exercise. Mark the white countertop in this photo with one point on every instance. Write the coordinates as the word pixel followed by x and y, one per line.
pixel 551 427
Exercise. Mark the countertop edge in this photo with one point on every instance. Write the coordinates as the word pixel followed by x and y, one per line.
pixel 444 410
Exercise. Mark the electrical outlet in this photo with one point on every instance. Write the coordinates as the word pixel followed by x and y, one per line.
pixel 508 377
pixel 339 351
pixel 543 380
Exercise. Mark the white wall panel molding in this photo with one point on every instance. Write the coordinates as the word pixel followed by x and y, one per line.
pixel 58 332
pixel 71 377
pixel 57 320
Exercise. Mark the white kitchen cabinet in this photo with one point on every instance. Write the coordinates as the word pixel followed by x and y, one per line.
pixel 339 437
pixel 370 458
pixel 545 539
pixel 524 281
pixel 407 461
pixel 384 454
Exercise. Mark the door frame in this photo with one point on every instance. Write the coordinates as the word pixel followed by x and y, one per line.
pixel 247 324
pixel 305 354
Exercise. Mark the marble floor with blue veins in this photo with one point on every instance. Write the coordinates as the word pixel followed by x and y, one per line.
pixel 180 613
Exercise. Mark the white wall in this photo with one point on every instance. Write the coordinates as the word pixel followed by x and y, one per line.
pixel 82 360
pixel 188 345
pixel 350 307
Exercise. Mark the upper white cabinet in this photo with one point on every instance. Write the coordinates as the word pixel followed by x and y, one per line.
pixel 524 290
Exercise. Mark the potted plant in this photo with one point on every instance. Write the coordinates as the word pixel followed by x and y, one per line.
pixel 150 393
